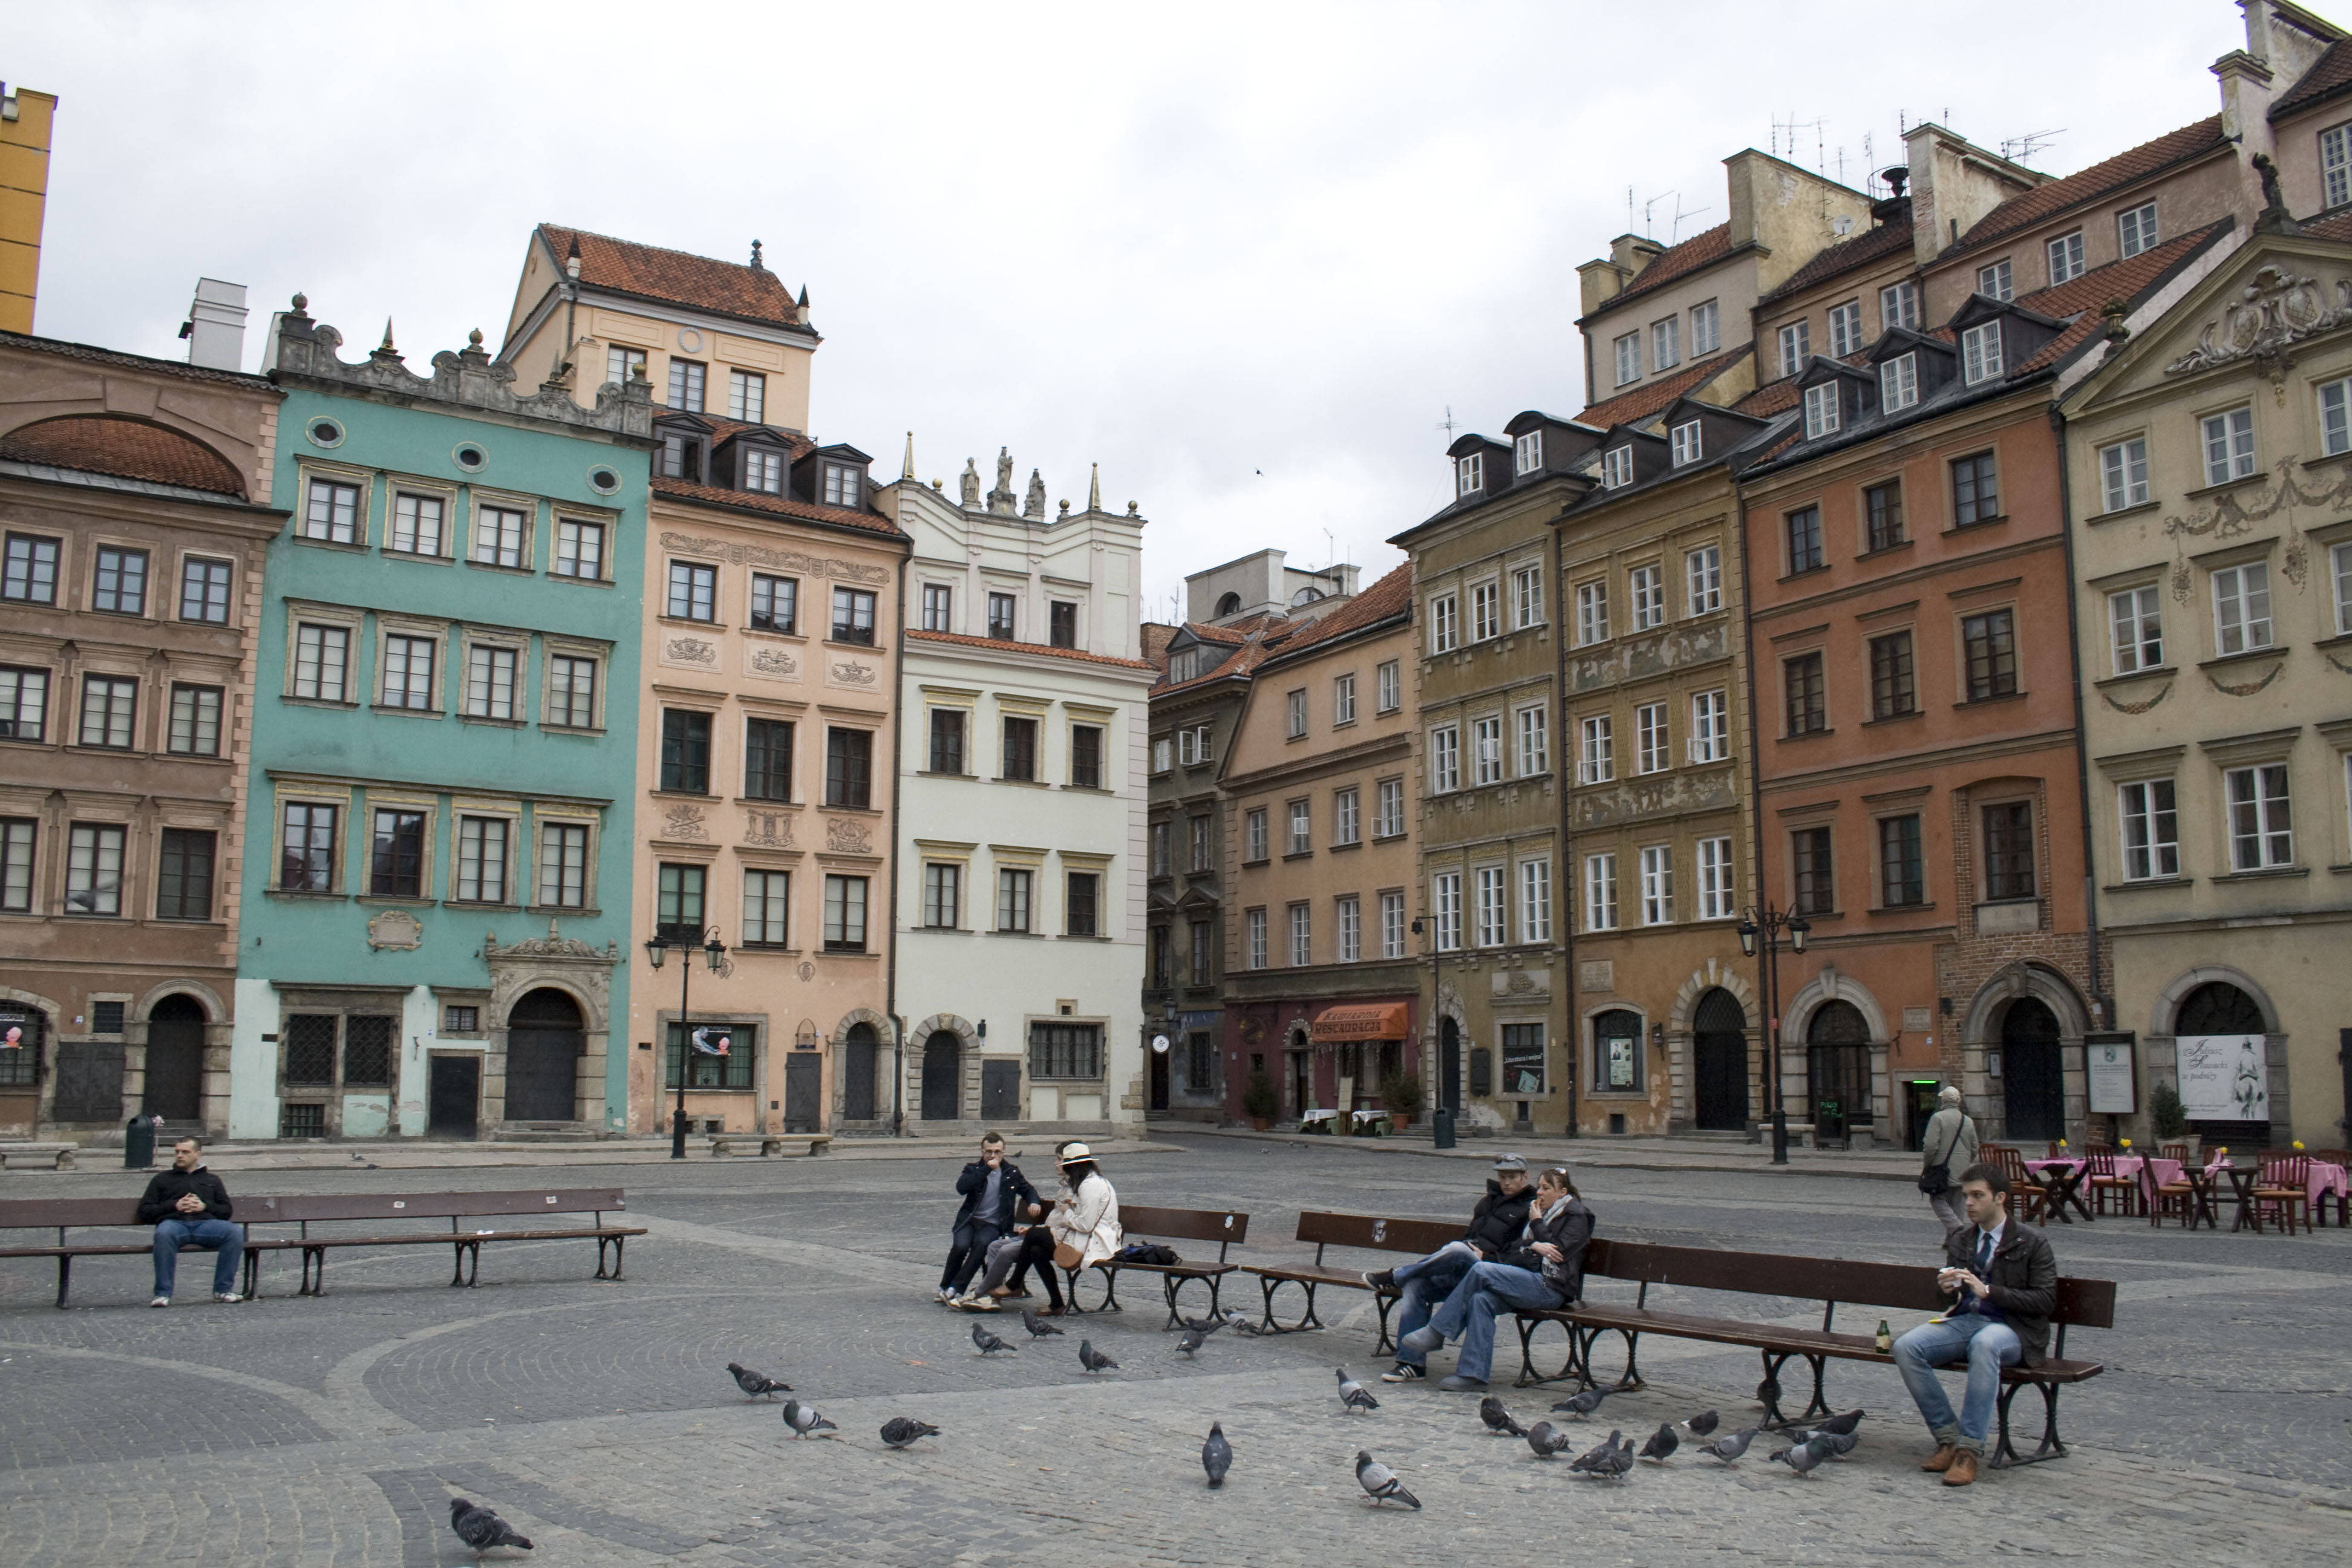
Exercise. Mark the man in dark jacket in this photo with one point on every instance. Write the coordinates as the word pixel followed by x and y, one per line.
pixel 1999 1281
pixel 1494 1226
pixel 994 1194
pixel 189 1208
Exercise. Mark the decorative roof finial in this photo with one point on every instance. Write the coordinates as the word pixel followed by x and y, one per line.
pixel 906 469
pixel 301 302
pixel 757 266
pixel 474 338
pixel 1094 489
pixel 386 346
pixel 802 301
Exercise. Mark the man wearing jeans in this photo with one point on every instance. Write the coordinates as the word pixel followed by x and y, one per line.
pixel 2002 1282
pixel 1495 1226
pixel 189 1208
pixel 1541 1273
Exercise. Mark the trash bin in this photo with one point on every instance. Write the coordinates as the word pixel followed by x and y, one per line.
pixel 138 1144
pixel 1441 1128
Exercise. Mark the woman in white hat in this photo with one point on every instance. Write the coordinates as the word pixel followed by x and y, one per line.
pixel 1082 1230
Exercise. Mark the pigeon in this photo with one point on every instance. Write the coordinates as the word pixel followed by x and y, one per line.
pixel 1837 1445
pixel 1216 1454
pixel 1380 1482
pixel 900 1430
pixel 1839 1424
pixel 1038 1327
pixel 756 1383
pixel 1545 1440
pixel 1354 1395
pixel 1802 1457
pixel 989 1344
pixel 1610 1461
pixel 1702 1424
pixel 1092 1359
pixel 1662 1444
pixel 1190 1340
pixel 480 1529
pixel 1729 1446
pixel 1498 1419
pixel 1584 1404
pixel 803 1419
pixel 1205 1326
pixel 1239 1324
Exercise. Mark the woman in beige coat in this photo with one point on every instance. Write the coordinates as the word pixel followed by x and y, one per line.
pixel 1082 1230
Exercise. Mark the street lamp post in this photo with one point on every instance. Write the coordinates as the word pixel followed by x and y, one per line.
pixel 1767 922
pixel 656 950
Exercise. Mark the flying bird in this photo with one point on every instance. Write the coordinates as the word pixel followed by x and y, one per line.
pixel 1731 1445
pixel 900 1430
pixel 1545 1440
pixel 1354 1395
pixel 1380 1482
pixel 1216 1454
pixel 1038 1327
pixel 1092 1359
pixel 480 1529
pixel 1662 1444
pixel 756 1383
pixel 1702 1424
pixel 1802 1457
pixel 803 1419
pixel 1190 1340
pixel 1500 1420
pixel 989 1344
pixel 1584 1404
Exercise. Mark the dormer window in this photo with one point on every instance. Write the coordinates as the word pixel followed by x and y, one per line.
pixel 763 471
pixel 1980 353
pixel 1616 468
pixel 1527 453
pixel 1184 666
pixel 1898 382
pixel 1821 410
pixel 1993 281
pixel 681 459
pixel 1470 474
pixel 2066 258
pixel 2136 229
pixel 843 485
pixel 1686 442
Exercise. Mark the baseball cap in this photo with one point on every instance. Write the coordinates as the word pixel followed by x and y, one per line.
pixel 1510 1163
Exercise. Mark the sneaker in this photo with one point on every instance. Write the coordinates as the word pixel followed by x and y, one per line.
pixel 1458 1383
pixel 983 1304
pixel 1381 1278
pixel 1404 1372
pixel 947 1296
pixel 161 1301
pixel 1421 1341
pixel 228 1298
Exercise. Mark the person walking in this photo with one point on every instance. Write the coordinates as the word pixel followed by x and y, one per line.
pixel 1950 1147
pixel 189 1208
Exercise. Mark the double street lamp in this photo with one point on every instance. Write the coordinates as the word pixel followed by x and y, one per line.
pixel 656 950
pixel 1765 922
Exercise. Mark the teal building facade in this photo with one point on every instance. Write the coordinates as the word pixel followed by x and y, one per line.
pixel 444 753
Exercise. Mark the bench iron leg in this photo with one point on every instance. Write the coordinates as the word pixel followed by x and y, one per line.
pixel 2005 1454
pixel 314 1271
pixel 467 1252
pixel 1309 1320
pixel 65 1279
pixel 1387 1302
pixel 616 1243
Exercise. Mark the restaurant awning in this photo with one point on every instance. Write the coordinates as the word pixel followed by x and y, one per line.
pixel 1374 1021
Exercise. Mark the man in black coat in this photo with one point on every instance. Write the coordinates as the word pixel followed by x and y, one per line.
pixel 189 1208
pixel 1494 1227
pixel 995 1193
pixel 2000 1282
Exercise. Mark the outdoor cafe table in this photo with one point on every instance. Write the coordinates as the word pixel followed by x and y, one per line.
pixel 2062 1180
pixel 2241 1180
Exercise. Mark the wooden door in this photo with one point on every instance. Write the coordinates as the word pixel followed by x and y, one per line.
pixel 804 1092
pixel 454 1096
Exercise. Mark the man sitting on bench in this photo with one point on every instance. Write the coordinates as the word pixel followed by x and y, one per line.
pixel 1494 1226
pixel 2002 1283
pixel 188 1206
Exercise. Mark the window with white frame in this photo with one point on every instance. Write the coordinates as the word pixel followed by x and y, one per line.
pixel 1535 900
pixel 578 549
pixel 2262 825
pixel 321 658
pixel 2136 618
pixel 1650 738
pixel 1703 574
pixel 2066 256
pixel 1163 754
pixel 498 536
pixel 1647 587
pixel 1821 410
pixel 408 672
pixel 1444 623
pixel 1302 827
pixel 1253 937
pixel 417 522
pixel 1445 909
pixel 1486 750
pixel 195 720
pixel 1845 328
pixel 1665 342
pixel 1485 611
pixel 1898 306
pixel 1716 896
pixel 1980 353
pixel 1657 885
pixel 2335 165
pixel 2152 829
pixel 1616 468
pixel 1796 343
pixel 1596 760
pixel 1295 713
pixel 1535 742
pixel 1993 281
pixel 1302 936
pixel 1528 597
pixel 844 485
pixel 1389 679
pixel 1898 382
pixel 2229 446
pixel 1192 745
pixel 1591 612
pixel 1687 443
pixel 693 591
pixel 763 471
pixel 1393 925
pixel 2242 609
pixel 1348 933
pixel 1628 358
pixel 490 681
pixel 1470 474
pixel 1601 892
pixel 1706 328
pixel 747 396
pixel 2340 569
pixel 2335 418
pixel 685 381
pixel 2136 229
pixel 2123 474
pixel 1347 816
pixel 1493 908
pixel 563 865
pixel 482 860
pixel 1444 760
pixel 572 691
pixel 1343 697
pixel 1254 835
pixel 1389 820
pixel 1527 453
pixel 624 364
pixel 1710 732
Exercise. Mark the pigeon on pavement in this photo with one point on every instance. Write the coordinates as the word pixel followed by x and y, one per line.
pixel 1802 1457
pixel 1203 1326
pixel 989 1344
pixel 1190 1340
pixel 1092 1359
pixel 1038 1327
pixel 1380 1482
pixel 1216 1454
pixel 1662 1444
pixel 901 1430
pixel 1841 1425
pixel 1701 1425
pixel 1498 1419
pixel 1354 1395
pixel 756 1383
pixel 1584 1404
pixel 480 1529
pixel 1731 1445
pixel 1545 1440
pixel 1837 1445
pixel 1610 1461
pixel 803 1419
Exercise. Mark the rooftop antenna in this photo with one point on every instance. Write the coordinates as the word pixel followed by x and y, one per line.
pixel 1682 212
pixel 1446 424
pixel 2017 148
pixel 1653 202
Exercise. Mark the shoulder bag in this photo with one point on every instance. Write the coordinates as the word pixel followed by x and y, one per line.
pixel 1935 1177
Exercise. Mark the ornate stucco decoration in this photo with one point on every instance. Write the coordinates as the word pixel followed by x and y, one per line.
pixel 2136 708
pixel 736 554
pixel 853 674
pixel 554 944
pixel 684 822
pixel 845 836
pixel 2250 688
pixel 773 661
pixel 769 830
pixel 2273 310
pixel 2229 518
pixel 690 651
pixel 395 929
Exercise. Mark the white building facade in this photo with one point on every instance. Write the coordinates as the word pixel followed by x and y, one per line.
pixel 1020 883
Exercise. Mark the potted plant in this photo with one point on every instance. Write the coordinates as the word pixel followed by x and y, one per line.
pixel 1400 1093
pixel 2168 1118
pixel 1258 1102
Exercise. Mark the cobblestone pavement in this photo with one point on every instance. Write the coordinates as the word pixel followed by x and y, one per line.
pixel 599 1420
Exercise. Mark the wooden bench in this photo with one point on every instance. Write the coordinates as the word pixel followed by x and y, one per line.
pixel 64 1215
pixel 1226 1227
pixel 1375 1232
pixel 1831 1282
pixel 723 1144
pixel 37 1156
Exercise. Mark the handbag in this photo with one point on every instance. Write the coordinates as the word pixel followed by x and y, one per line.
pixel 1936 1179
pixel 1067 1257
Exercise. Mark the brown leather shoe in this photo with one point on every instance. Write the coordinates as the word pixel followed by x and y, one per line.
pixel 1963 1471
pixel 1942 1458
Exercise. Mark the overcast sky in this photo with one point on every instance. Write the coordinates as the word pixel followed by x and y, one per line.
pixel 1245 257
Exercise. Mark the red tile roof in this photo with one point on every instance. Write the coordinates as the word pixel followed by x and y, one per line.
pixel 1846 255
pixel 2103 178
pixel 1393 594
pixel 1008 645
pixel 2082 298
pixel 783 506
pixel 124 448
pixel 2328 76
pixel 1644 401
pixel 1676 261
pixel 1769 399
pixel 2337 228
pixel 1157 636
pixel 1252 651
pixel 675 277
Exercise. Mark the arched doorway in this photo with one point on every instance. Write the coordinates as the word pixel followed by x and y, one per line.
pixel 2223 1063
pixel 1449 1064
pixel 543 1045
pixel 1839 1039
pixel 942 1076
pixel 858 1074
pixel 2034 1086
pixel 1719 1062
pixel 175 1059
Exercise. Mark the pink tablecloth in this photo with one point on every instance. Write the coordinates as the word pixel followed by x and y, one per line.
pixel 2166 1170
pixel 2328 1178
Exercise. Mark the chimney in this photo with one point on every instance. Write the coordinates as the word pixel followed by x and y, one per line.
pixel 215 325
